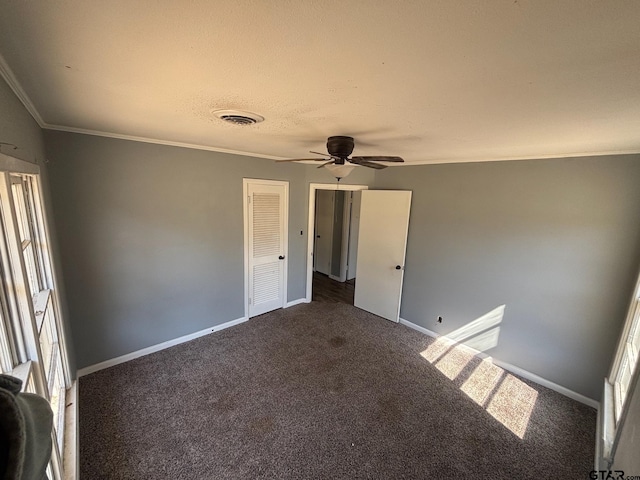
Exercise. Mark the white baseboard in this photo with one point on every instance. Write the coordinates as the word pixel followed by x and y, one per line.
pixel 419 328
pixel 513 369
pixel 296 302
pixel 156 348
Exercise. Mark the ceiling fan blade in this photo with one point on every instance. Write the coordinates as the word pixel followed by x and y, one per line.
pixel 378 158
pixel 303 160
pixel 364 163
pixel 328 163
pixel 318 153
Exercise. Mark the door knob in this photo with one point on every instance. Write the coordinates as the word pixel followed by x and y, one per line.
pixel 281 257
pixel 398 267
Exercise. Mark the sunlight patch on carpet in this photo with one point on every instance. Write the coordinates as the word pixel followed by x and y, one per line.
pixel 482 381
pixel 512 404
pixel 506 398
pixel 437 349
pixel 503 396
pixel 454 362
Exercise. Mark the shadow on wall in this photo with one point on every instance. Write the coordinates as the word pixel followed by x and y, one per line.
pixel 503 396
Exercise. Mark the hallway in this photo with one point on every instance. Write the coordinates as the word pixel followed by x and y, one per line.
pixel 328 290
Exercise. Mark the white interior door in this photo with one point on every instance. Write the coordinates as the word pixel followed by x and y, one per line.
pixel 325 201
pixel 267 246
pixel 382 244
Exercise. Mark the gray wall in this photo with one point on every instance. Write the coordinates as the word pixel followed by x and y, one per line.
pixel 152 237
pixel 556 241
pixel 151 242
pixel 18 127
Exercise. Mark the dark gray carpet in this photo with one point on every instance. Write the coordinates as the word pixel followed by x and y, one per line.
pixel 322 391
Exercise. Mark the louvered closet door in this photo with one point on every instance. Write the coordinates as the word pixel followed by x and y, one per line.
pixel 267 245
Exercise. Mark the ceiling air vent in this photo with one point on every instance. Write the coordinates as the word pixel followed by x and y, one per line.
pixel 238 117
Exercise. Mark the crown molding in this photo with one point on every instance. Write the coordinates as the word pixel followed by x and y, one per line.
pixel 194 146
pixel 12 81
pixel 552 156
pixel 14 84
pixel 157 141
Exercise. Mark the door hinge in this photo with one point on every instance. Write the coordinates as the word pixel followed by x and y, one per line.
pixel 249 198
pixel 250 301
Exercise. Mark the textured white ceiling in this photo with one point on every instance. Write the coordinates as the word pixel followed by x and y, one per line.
pixel 432 81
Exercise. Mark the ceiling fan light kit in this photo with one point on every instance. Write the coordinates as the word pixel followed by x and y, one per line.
pixel 339 171
pixel 339 164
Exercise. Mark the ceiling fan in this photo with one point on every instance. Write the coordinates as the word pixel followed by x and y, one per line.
pixel 339 148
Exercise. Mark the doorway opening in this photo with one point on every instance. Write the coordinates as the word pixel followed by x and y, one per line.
pixel 333 241
pixel 335 246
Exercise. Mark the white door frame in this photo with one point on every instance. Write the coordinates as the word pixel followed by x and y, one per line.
pixel 346 235
pixel 313 187
pixel 245 218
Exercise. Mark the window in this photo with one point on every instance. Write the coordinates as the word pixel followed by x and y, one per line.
pixel 629 359
pixel 31 341
pixel 617 386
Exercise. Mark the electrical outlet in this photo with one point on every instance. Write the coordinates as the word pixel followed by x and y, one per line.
pixel 439 319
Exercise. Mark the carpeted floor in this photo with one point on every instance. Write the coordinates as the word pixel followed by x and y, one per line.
pixel 323 391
